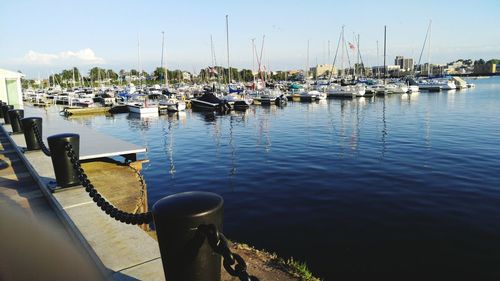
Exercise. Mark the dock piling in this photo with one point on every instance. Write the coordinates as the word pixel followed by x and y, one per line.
pixel 5 110
pixel 186 253
pixel 63 168
pixel 29 133
pixel 15 116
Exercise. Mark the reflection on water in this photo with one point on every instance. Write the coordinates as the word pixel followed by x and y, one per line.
pixel 358 188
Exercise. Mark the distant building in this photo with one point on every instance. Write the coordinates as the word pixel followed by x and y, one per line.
pixel 408 64
pixel 405 64
pixel 323 70
pixel 391 70
pixel 10 88
pixel 399 61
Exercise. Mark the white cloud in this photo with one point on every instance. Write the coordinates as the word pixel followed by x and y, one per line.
pixel 84 56
pixel 39 58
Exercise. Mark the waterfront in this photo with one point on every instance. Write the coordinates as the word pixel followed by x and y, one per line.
pixel 395 186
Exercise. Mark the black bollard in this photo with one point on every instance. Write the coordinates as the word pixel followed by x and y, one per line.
pixel 15 116
pixel 1 110
pixel 63 168
pixel 5 110
pixel 29 134
pixel 185 256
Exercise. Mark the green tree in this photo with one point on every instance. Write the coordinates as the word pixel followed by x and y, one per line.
pixel 68 75
pixel 111 75
pixel 246 75
pixel 159 74
pixel 479 62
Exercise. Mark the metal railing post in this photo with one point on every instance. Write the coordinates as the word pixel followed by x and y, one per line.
pixel 63 168
pixel 185 252
pixel 15 116
pixel 29 133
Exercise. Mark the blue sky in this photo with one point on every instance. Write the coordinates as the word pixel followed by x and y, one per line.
pixel 41 37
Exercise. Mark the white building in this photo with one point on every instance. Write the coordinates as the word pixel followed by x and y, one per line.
pixel 10 88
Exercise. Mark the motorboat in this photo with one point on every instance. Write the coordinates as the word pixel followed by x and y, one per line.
pixel 208 101
pixel 142 109
pixel 238 101
pixel 173 105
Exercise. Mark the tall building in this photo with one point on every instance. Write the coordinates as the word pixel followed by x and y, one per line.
pixel 406 64
pixel 399 61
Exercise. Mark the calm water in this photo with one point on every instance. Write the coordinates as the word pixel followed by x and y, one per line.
pixel 406 187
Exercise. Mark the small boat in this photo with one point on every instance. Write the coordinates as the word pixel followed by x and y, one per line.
pixel 272 96
pixel 173 105
pixel 413 88
pixel 238 101
pixel 308 96
pixel 396 88
pixel 208 101
pixel 142 109
pixel 321 95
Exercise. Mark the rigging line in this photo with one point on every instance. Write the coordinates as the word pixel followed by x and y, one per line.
pixel 334 59
pixel 423 46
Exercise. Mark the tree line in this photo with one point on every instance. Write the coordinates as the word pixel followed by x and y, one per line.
pixel 97 76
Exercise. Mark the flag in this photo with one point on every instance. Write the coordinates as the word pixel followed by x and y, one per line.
pixel 351 46
pixel 212 70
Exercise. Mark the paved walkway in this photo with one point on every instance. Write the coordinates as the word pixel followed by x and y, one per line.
pixel 34 244
pixel 18 190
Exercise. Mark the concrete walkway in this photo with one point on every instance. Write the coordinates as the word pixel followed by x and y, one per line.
pixel 34 243
pixel 119 251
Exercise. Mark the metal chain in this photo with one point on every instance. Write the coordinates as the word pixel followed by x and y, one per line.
pixel 109 209
pixel 39 138
pixel 233 263
pixel 18 116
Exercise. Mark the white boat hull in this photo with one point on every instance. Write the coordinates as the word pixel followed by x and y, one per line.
pixel 142 109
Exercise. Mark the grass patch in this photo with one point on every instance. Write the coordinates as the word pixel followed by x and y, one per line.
pixel 301 269
pixel 296 269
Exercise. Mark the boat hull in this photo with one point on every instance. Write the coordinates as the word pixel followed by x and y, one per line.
pixel 142 109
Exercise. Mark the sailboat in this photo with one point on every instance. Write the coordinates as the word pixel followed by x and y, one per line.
pixel 172 104
pixel 139 103
pixel 433 84
pixel 344 90
pixel 233 97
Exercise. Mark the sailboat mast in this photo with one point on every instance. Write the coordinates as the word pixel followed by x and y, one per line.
pixel 342 54
pixel 429 51
pixel 139 60
pixel 73 77
pixel 227 47
pixel 306 73
pixel 253 62
pixel 385 51
pixel 259 60
pixel 378 62
pixel 164 64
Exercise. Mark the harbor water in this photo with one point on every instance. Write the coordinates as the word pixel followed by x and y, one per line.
pixel 401 187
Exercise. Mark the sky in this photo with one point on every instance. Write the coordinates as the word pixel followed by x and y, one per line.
pixel 43 37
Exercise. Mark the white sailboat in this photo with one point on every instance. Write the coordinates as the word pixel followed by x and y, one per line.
pixel 139 103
